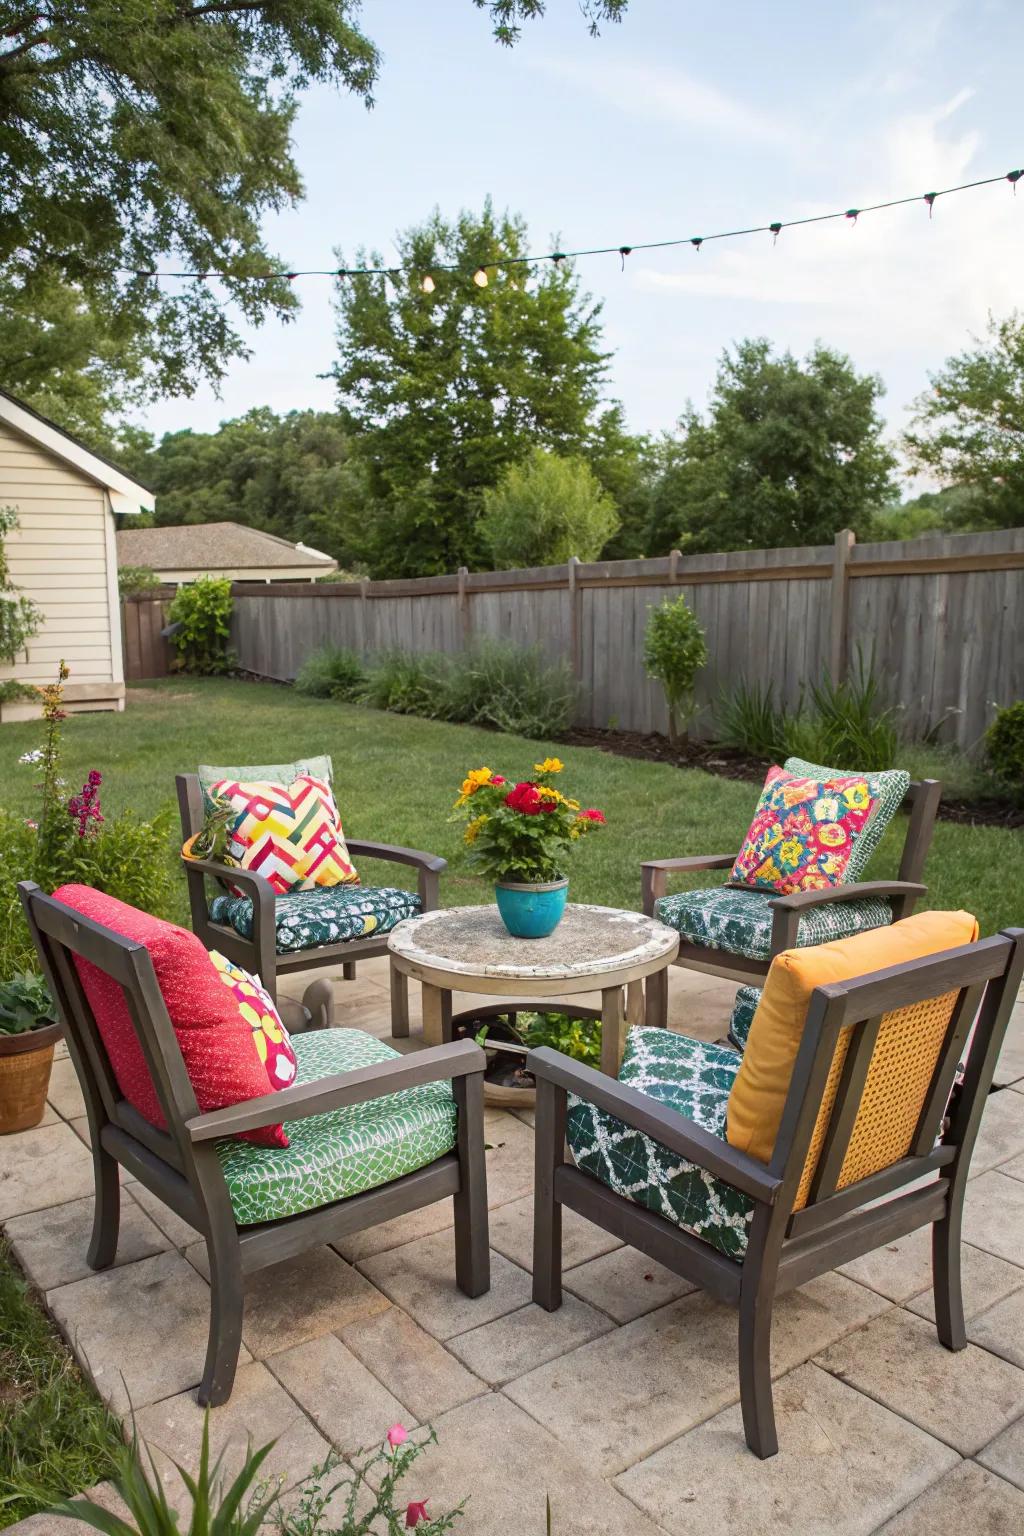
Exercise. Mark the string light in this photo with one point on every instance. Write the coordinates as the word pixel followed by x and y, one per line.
pixel 428 285
pixel 559 257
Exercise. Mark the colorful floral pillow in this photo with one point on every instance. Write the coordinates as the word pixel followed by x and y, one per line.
pixel 291 834
pixel 803 832
pixel 256 1006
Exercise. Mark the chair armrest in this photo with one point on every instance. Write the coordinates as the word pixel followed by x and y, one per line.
pixel 786 910
pixel 428 866
pixel 441 1062
pixel 654 873
pixel 255 885
pixel 644 1114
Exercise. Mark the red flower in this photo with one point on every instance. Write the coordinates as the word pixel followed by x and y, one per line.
pixel 416 1511
pixel 525 798
pixel 397 1435
pixel 496 778
pixel 592 815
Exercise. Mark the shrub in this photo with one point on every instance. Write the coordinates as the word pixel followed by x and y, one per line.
pixel 546 509
pixel 25 1004
pixel 749 719
pixel 674 652
pixel 849 727
pixel 406 684
pixel 133 579
pixel 510 688
pixel 202 612
pixel 1004 744
pixel 20 619
pixel 333 673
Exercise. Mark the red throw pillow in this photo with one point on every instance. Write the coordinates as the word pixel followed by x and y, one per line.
pixel 215 1039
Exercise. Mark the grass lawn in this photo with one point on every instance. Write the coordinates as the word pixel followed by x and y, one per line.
pixel 397 776
pixel 56 1437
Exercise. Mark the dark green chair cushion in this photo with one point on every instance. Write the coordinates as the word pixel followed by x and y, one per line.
pixel 325 915
pixel 740 921
pixel 693 1078
pixel 742 1016
pixel 344 1151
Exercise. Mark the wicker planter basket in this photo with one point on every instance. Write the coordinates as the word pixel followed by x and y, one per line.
pixel 25 1062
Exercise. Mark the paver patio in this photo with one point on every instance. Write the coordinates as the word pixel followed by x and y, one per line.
pixel 623 1406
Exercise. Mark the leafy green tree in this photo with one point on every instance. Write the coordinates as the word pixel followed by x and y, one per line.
pixel 968 429
pixel 957 509
pixel 789 453
pixel 449 386
pixel 144 133
pixel 292 475
pixel 544 510
pixel 674 652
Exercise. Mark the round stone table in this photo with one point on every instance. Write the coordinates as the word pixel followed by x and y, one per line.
pixel 469 949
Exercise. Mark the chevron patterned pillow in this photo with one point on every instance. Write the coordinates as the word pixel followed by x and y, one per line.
pixel 292 835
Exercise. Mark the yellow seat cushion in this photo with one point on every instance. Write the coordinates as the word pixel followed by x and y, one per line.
pixel 759 1092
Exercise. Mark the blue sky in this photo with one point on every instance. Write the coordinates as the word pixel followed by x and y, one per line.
pixel 684 119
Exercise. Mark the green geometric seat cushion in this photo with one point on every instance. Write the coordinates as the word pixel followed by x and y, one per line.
pixel 344 1151
pixel 693 1078
pixel 328 914
pixel 740 921
pixel 887 788
pixel 742 1016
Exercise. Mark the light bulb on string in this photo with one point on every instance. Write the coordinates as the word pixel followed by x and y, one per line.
pixel 480 277
pixel 428 285
pixel 558 257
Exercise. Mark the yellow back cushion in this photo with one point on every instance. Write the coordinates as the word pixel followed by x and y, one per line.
pixel 904 1059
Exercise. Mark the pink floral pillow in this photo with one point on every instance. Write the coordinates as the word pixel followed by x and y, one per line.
pixel 256 1006
pixel 803 832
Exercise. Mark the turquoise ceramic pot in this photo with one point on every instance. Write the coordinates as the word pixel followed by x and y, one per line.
pixel 531 911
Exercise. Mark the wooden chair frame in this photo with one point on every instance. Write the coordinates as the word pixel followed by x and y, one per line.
pixel 260 953
pixel 180 1164
pixel 922 797
pixel 786 1248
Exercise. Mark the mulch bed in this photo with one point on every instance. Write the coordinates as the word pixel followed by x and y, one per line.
pixel 728 764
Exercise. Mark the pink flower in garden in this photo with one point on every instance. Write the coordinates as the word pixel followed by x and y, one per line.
pixel 84 808
pixel 396 1435
pixel 592 815
pixel 416 1512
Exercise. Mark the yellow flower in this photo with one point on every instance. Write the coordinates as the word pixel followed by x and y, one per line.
pixel 472 831
pixel 475 778
pixel 549 765
pixel 548 792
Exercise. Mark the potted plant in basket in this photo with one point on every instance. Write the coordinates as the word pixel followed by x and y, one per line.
pixel 29 1030
pixel 520 836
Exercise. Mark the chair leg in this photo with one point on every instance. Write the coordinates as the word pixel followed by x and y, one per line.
pixel 472 1234
pixel 549 1141
pixel 949 1299
pixel 756 1375
pixel 399 1004
pixel 225 1320
pixel 348 970
pixel 656 1003
pixel 318 1001
pixel 106 1219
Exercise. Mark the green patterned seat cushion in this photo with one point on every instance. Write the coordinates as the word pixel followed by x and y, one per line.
pixel 325 915
pixel 740 921
pixel 742 1016
pixel 888 788
pixel 344 1151
pixel 693 1078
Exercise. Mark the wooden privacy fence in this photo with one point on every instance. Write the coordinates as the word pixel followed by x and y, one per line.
pixel 143 616
pixel 939 615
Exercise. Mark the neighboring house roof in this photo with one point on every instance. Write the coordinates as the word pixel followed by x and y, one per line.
pixel 126 493
pixel 215 547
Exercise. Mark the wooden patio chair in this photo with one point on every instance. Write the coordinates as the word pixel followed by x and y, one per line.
pixel 219 1185
pixel 872 1105
pixel 735 932
pixel 263 931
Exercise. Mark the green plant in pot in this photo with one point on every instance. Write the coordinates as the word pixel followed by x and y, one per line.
pixel 520 836
pixel 29 1030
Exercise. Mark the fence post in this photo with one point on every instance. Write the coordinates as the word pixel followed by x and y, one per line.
pixel 465 617
pixel 364 584
pixel 841 551
pixel 575 592
pixel 673 566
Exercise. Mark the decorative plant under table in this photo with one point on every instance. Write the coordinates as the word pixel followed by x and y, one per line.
pixel 593 949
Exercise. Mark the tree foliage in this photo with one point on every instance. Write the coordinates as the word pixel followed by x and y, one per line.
pixel 968 429
pixel 789 453
pixel 544 510
pixel 674 652
pixel 447 388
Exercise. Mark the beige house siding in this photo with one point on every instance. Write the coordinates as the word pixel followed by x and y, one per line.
pixel 62 557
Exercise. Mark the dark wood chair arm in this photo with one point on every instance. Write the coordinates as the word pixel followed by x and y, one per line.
pixel 459 1059
pixel 256 886
pixel 428 866
pixel 654 873
pixel 787 910
pixel 665 1125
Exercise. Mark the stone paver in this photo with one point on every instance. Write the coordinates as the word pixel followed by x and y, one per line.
pixel 512 1234
pixel 520 1341
pixel 51 1245
pixel 994 1215
pixel 287 1304
pixel 346 1402
pixel 964 1397
pixel 1000 1330
pixel 968 1499
pixel 902 1271
pixel 140 1330
pixel 844 1465
pixel 45 1523
pixel 420 1278
pixel 413 1366
pixel 258 1411
pixel 985 1280
pixel 1005 1454
pixel 1001 1135
pixel 1010 1066
pixel 178 1232
pixel 625 1284
pixel 64 1093
pixel 396 1232
pixel 47 1166
pixel 624 1395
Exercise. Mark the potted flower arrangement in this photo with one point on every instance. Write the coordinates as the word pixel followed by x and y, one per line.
pixel 29 1030
pixel 520 836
